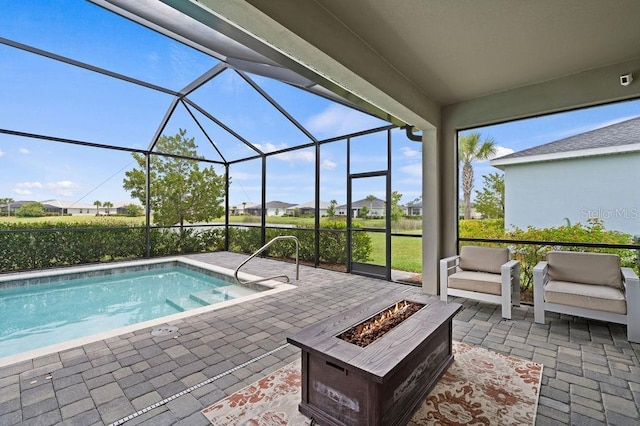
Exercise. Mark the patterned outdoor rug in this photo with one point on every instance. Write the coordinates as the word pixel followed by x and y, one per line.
pixel 481 387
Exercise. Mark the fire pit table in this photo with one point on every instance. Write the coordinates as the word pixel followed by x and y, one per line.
pixel 358 368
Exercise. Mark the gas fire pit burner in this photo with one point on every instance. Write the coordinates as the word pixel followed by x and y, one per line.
pixel 347 381
pixel 373 328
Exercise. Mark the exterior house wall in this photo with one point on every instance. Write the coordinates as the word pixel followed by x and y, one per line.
pixel 276 211
pixel 544 194
pixel 356 211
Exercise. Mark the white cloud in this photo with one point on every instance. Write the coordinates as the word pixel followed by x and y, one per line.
pixel 63 188
pixel 1 153
pixel 269 147
pixel 340 120
pixel 412 169
pixel 305 155
pixel 501 151
pixel 29 185
pixel 63 184
pixel 24 151
pixel 410 153
pixel 329 165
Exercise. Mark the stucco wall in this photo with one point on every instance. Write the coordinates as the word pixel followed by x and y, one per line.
pixel 543 194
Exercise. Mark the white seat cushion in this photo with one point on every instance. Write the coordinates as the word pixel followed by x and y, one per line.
pixel 588 296
pixel 480 282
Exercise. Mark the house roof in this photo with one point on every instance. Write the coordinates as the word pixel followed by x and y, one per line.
pixel 613 139
pixel 310 205
pixel 414 204
pixel 272 205
pixel 64 204
pixel 376 204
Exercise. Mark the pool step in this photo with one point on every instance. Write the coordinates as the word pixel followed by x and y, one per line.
pixel 184 303
pixel 220 294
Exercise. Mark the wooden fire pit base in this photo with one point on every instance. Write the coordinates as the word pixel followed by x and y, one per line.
pixel 384 382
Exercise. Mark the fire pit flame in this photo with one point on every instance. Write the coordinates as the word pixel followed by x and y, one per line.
pixel 375 327
pixel 379 321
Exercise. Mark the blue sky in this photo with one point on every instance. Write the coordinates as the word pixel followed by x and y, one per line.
pixel 523 134
pixel 43 96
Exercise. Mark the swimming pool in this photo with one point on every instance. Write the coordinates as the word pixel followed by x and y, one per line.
pixel 42 309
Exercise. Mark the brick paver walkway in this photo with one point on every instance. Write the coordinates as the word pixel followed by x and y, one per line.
pixel 591 373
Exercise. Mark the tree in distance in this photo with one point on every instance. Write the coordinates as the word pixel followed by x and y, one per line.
pixel 32 209
pixel 490 201
pixel 7 201
pixel 396 209
pixel 331 210
pixel 98 204
pixel 181 192
pixel 107 206
pixel 133 210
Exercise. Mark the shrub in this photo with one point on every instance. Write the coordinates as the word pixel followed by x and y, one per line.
pixel 30 210
pixel 46 245
pixel 333 242
pixel 593 232
pixel 488 228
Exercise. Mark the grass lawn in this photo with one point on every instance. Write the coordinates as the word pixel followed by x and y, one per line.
pixel 406 252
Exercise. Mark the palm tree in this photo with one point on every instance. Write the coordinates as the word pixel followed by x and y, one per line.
pixel 371 198
pixel 470 149
pixel 107 205
pixel 97 204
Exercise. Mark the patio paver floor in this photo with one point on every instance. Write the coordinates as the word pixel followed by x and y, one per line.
pixel 591 373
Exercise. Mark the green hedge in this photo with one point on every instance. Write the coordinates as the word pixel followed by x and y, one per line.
pixel 46 245
pixel 63 244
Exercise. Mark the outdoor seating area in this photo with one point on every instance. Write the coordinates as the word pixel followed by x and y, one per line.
pixel 166 139
pixel 590 373
pixel 482 273
pixel 588 285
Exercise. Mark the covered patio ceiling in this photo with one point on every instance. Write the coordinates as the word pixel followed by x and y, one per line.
pixel 404 61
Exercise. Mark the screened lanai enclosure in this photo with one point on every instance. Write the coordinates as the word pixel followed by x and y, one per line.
pixel 137 140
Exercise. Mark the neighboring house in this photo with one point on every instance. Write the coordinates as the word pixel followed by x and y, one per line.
pixel 241 209
pixel 376 207
pixel 73 208
pixel 309 208
pixel 590 175
pixel 62 207
pixel 413 208
pixel 10 209
pixel 273 208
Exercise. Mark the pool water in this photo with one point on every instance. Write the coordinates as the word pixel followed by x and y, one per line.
pixel 40 315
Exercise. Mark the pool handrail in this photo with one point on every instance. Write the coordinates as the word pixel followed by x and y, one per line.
pixel 263 248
